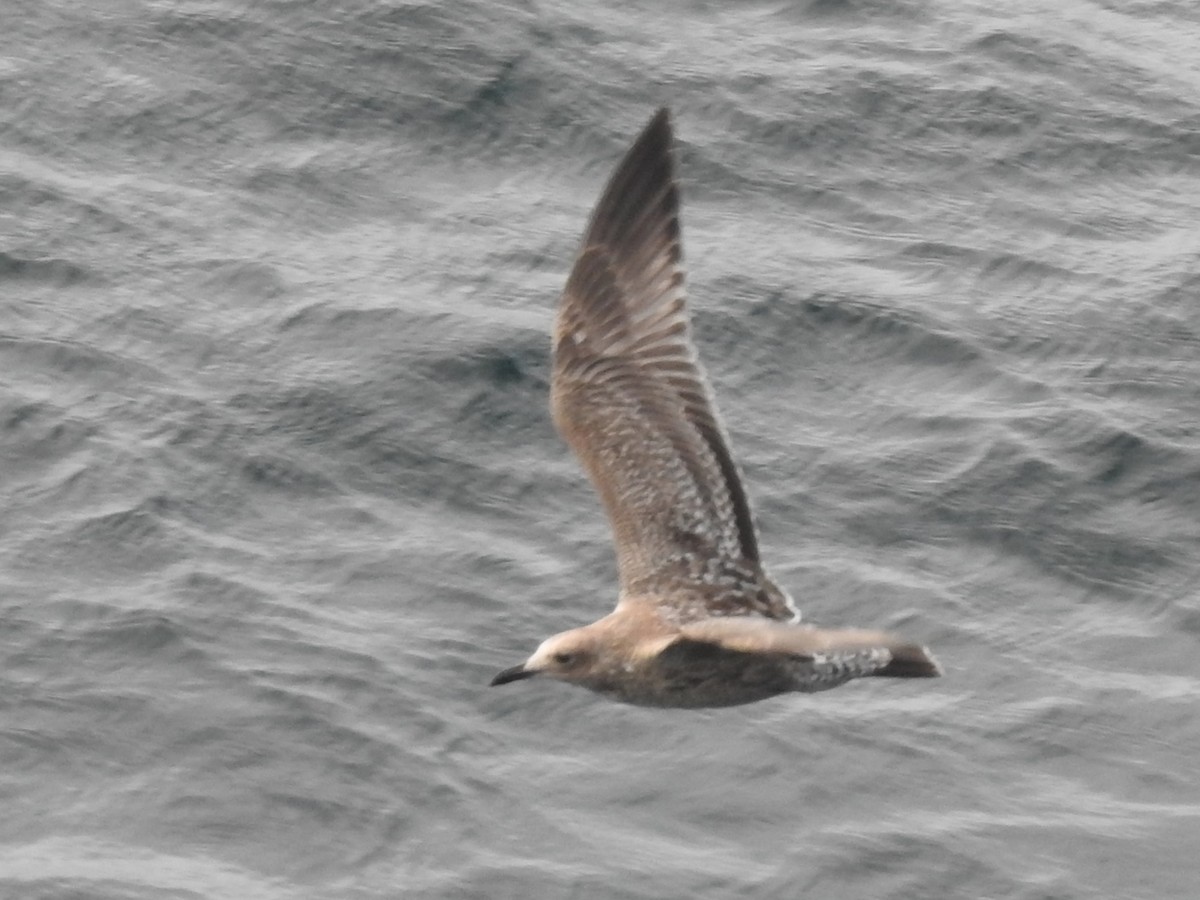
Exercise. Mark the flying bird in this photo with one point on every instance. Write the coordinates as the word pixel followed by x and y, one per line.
pixel 698 622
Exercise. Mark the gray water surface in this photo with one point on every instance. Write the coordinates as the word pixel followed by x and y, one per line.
pixel 279 490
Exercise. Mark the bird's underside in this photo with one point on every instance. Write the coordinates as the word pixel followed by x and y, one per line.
pixel 699 622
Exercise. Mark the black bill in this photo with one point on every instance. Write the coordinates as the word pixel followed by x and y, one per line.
pixel 516 673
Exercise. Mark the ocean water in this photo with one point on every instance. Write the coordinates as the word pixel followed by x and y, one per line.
pixel 279 490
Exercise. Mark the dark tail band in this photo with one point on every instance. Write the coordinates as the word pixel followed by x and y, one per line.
pixel 910 661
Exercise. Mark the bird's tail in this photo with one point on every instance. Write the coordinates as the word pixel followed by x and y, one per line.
pixel 909 661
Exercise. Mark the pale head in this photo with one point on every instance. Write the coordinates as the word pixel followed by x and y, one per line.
pixel 570 656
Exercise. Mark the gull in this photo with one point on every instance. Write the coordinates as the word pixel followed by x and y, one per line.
pixel 698 622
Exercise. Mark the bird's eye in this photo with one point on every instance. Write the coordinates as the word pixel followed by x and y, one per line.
pixel 564 659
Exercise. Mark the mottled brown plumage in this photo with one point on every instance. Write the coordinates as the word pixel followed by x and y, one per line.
pixel 698 622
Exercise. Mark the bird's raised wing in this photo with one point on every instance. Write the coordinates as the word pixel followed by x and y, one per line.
pixel 630 397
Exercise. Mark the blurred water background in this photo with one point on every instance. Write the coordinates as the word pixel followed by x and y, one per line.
pixel 279 489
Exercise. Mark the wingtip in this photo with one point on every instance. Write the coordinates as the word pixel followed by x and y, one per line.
pixel 658 132
pixel 656 138
pixel 642 180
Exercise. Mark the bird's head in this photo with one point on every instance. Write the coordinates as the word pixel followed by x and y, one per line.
pixel 570 656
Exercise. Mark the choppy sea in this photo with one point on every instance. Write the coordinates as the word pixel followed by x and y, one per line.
pixel 279 490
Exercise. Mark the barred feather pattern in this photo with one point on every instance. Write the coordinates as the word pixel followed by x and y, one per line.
pixel 631 398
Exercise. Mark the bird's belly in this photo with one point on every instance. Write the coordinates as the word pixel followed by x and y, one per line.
pixel 720 688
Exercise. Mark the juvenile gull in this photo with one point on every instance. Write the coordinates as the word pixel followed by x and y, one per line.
pixel 698 622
